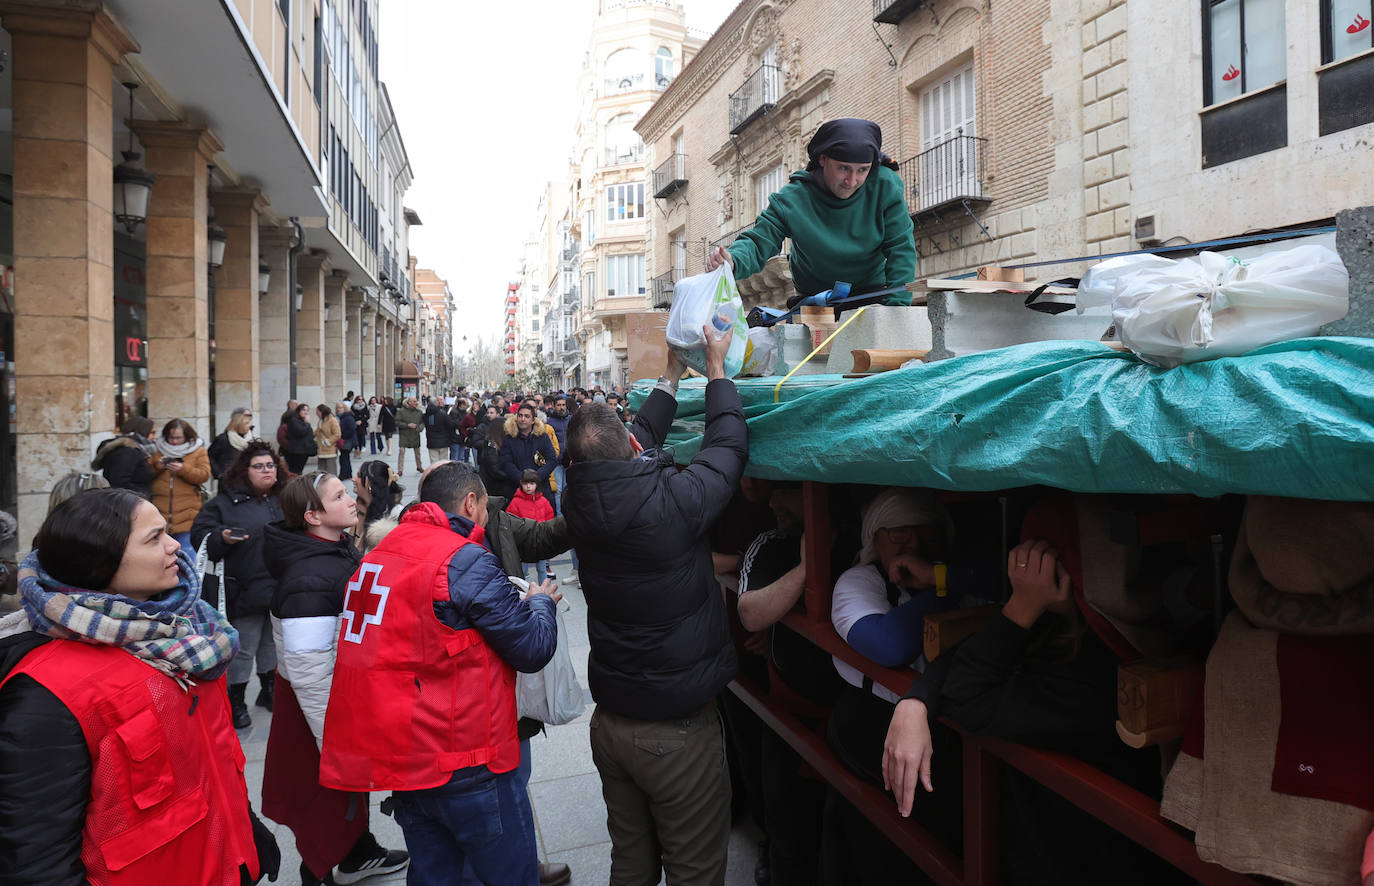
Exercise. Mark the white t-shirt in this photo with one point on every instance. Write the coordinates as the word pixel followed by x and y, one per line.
pixel 860 591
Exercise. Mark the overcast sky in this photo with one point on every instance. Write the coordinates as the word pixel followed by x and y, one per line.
pixel 485 97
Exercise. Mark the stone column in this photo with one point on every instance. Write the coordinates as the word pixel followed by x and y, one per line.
pixel 353 344
pixel 178 282
pixel 63 243
pixel 388 380
pixel 311 268
pixel 369 352
pixel 274 333
pixel 336 379
pixel 237 319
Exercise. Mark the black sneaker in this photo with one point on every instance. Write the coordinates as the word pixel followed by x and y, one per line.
pixel 383 861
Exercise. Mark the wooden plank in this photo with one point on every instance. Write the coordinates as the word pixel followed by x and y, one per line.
pixel 982 816
pixel 877 806
pixel 816 554
pixel 823 634
pixel 1008 275
pixel 881 360
pixel 1118 806
pixel 1156 697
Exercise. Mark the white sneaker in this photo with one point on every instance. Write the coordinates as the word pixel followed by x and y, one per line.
pixel 572 579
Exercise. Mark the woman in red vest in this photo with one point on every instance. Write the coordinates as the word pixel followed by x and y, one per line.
pixel 118 763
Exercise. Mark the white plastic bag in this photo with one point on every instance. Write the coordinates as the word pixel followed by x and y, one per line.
pixel 552 696
pixel 1173 312
pixel 708 299
pixel 762 351
pixel 211 573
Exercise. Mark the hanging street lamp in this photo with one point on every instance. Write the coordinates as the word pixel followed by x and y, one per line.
pixel 133 185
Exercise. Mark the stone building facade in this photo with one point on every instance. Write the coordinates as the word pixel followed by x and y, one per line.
pixel 1026 131
pixel 237 111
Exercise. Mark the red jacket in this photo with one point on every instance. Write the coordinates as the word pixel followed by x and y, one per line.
pixel 168 803
pixel 413 700
pixel 531 507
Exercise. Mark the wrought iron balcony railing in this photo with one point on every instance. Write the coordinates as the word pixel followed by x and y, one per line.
pixel 671 175
pixel 949 171
pixel 662 288
pixel 893 11
pixel 726 239
pixel 620 155
pixel 624 83
pixel 758 94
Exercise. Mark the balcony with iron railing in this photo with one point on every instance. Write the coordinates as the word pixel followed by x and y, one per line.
pixel 623 83
pixel 671 175
pixel 948 173
pixel 572 297
pixel 757 96
pixel 618 156
pixel 893 11
pixel 662 288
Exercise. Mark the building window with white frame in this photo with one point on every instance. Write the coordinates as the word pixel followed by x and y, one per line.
pixel 1244 47
pixel 766 184
pixel 623 144
pixel 625 202
pixel 948 162
pixel 624 275
pixel 624 71
pixel 663 67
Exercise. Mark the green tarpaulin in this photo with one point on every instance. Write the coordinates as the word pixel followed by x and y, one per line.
pixel 1295 419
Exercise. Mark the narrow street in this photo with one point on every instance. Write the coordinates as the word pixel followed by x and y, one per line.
pixel 569 815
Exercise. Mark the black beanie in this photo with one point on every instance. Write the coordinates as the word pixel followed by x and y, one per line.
pixel 848 139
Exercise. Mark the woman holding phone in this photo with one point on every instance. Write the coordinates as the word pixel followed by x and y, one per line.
pixel 180 466
pixel 232 525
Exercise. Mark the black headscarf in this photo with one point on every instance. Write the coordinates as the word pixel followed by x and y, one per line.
pixel 848 139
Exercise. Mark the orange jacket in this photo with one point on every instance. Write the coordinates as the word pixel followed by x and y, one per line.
pixel 177 495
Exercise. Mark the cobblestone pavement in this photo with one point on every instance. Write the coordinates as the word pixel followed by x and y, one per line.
pixel 569 814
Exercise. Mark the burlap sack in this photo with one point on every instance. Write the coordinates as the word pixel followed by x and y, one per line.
pixel 1241 823
pixel 1306 567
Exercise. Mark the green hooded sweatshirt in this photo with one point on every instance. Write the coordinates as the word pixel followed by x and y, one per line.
pixel 865 241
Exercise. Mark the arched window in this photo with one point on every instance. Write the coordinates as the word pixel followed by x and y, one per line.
pixel 624 71
pixel 663 67
pixel 623 144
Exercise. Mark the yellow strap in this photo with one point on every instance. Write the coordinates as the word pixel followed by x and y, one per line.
pixel 778 387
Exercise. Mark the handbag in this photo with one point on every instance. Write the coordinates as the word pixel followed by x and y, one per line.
pixel 553 695
pixel 211 574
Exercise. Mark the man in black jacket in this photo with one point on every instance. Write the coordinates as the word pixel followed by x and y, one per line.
pixel 660 644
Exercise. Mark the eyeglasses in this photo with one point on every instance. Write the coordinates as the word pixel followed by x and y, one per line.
pixel 900 534
pixel 264 467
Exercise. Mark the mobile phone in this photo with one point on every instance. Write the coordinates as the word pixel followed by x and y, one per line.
pixel 238 534
pixel 168 461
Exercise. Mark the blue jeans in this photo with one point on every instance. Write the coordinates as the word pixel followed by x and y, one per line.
pixel 560 479
pixel 541 569
pixel 486 824
pixel 375 443
pixel 458 452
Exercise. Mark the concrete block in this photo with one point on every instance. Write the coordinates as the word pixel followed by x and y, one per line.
pixel 880 326
pixel 968 322
pixel 1355 245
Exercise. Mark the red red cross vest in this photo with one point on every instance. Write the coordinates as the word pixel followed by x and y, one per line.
pixel 413 700
pixel 168 803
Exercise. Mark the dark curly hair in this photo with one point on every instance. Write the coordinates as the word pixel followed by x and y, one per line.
pixel 235 477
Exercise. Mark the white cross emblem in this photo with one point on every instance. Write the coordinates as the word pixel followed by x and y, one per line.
pixel 365 602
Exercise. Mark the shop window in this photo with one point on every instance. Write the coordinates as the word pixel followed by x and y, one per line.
pixel 1243 55
pixel 1243 47
pixel 1346 28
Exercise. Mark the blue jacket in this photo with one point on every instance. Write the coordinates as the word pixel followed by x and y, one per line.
pixel 560 429
pixel 348 427
pixel 517 455
pixel 481 596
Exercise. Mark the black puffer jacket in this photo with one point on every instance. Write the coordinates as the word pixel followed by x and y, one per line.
pixel 655 613
pixel 310 574
pixel 249 587
pixel 300 437
pixel 125 464
pixel 436 426
pixel 42 755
